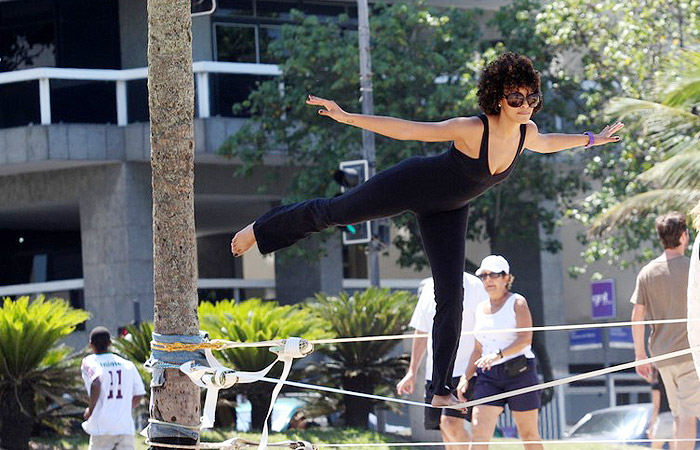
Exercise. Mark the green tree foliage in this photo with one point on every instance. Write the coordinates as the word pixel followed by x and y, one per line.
pixel 370 367
pixel 136 347
pixel 616 49
pixel 424 69
pixel 513 211
pixel 34 369
pixel 255 320
pixel 672 125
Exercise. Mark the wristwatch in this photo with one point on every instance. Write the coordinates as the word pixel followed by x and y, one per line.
pixel 500 353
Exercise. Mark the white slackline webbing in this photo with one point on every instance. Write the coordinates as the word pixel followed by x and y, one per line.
pixel 231 344
pixel 303 445
pixel 536 387
pixel 503 442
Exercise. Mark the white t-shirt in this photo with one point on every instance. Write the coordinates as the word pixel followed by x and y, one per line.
pixel 120 381
pixel 422 320
pixel 502 319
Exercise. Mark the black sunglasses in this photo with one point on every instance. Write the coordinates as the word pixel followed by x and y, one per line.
pixel 516 99
pixel 492 275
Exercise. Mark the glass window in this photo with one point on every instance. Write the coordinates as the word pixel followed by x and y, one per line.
pixel 235 43
pixel 97 104
pixel 279 9
pixel 20 104
pixel 137 100
pixel 235 7
pixel 323 10
pixel 30 256
pixel 229 89
pixel 267 35
pixel 27 34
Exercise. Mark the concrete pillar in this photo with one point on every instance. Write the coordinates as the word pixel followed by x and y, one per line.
pixel 117 247
pixel 556 343
pixel 554 311
pixel 299 277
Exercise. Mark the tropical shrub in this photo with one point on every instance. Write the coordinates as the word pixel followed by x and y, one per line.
pixel 256 320
pixel 371 367
pixel 135 346
pixel 33 367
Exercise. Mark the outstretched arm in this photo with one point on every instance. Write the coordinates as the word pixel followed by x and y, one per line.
pixel 554 142
pixel 405 130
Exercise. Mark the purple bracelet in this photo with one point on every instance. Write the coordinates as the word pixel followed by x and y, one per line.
pixel 591 139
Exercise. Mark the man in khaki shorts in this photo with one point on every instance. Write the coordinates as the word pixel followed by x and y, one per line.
pixel 661 293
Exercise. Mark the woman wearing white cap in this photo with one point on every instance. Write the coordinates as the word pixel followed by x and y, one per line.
pixel 502 361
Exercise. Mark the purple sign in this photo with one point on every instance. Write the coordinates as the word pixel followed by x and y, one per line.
pixel 603 299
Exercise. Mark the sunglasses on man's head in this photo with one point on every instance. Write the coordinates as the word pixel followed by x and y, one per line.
pixel 516 99
pixel 492 275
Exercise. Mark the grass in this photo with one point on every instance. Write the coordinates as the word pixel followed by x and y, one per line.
pixel 320 437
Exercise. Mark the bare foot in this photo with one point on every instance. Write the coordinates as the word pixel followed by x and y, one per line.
pixel 243 241
pixel 444 400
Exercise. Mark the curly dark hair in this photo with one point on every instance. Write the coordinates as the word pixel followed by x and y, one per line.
pixel 509 71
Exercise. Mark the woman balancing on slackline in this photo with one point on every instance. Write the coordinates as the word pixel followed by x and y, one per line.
pixel 437 189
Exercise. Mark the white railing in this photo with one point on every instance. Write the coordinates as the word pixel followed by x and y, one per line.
pixel 201 70
pixel 42 288
pixel 203 283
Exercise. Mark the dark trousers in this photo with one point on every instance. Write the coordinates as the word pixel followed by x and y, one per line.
pixel 437 190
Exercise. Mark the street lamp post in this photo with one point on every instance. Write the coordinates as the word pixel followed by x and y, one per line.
pixel 367 136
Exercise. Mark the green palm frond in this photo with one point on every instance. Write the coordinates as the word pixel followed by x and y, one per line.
pixel 256 320
pixel 672 128
pixel 685 89
pixel 32 362
pixel 136 344
pixel 644 204
pixel 681 171
pixel 372 312
pixel 28 330
pixel 365 366
pixel 136 347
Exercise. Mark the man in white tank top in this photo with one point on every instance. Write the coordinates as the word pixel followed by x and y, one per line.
pixel 115 388
pixel 450 422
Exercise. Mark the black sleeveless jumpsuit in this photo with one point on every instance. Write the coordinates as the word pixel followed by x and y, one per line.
pixel 437 189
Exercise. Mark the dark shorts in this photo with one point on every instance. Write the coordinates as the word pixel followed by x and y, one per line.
pixel 431 419
pixel 495 381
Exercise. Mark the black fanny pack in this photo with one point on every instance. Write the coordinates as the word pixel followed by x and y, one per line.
pixel 516 366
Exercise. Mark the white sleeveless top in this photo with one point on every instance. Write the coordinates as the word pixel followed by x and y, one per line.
pixel 504 318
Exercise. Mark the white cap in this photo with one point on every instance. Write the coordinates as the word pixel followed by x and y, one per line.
pixel 494 264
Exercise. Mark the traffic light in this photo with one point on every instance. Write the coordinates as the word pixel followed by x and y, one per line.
pixel 349 175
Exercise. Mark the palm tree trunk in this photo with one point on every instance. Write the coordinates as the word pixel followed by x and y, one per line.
pixel 259 404
pixel 357 409
pixel 15 424
pixel 171 107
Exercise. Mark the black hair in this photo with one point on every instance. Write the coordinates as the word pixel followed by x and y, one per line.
pixel 100 339
pixel 509 71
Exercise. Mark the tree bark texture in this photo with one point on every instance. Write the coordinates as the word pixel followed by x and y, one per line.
pixel 171 107
pixel 357 409
pixel 16 421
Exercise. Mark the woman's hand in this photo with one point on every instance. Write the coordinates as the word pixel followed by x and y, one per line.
pixel 606 136
pixel 331 110
pixel 485 362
